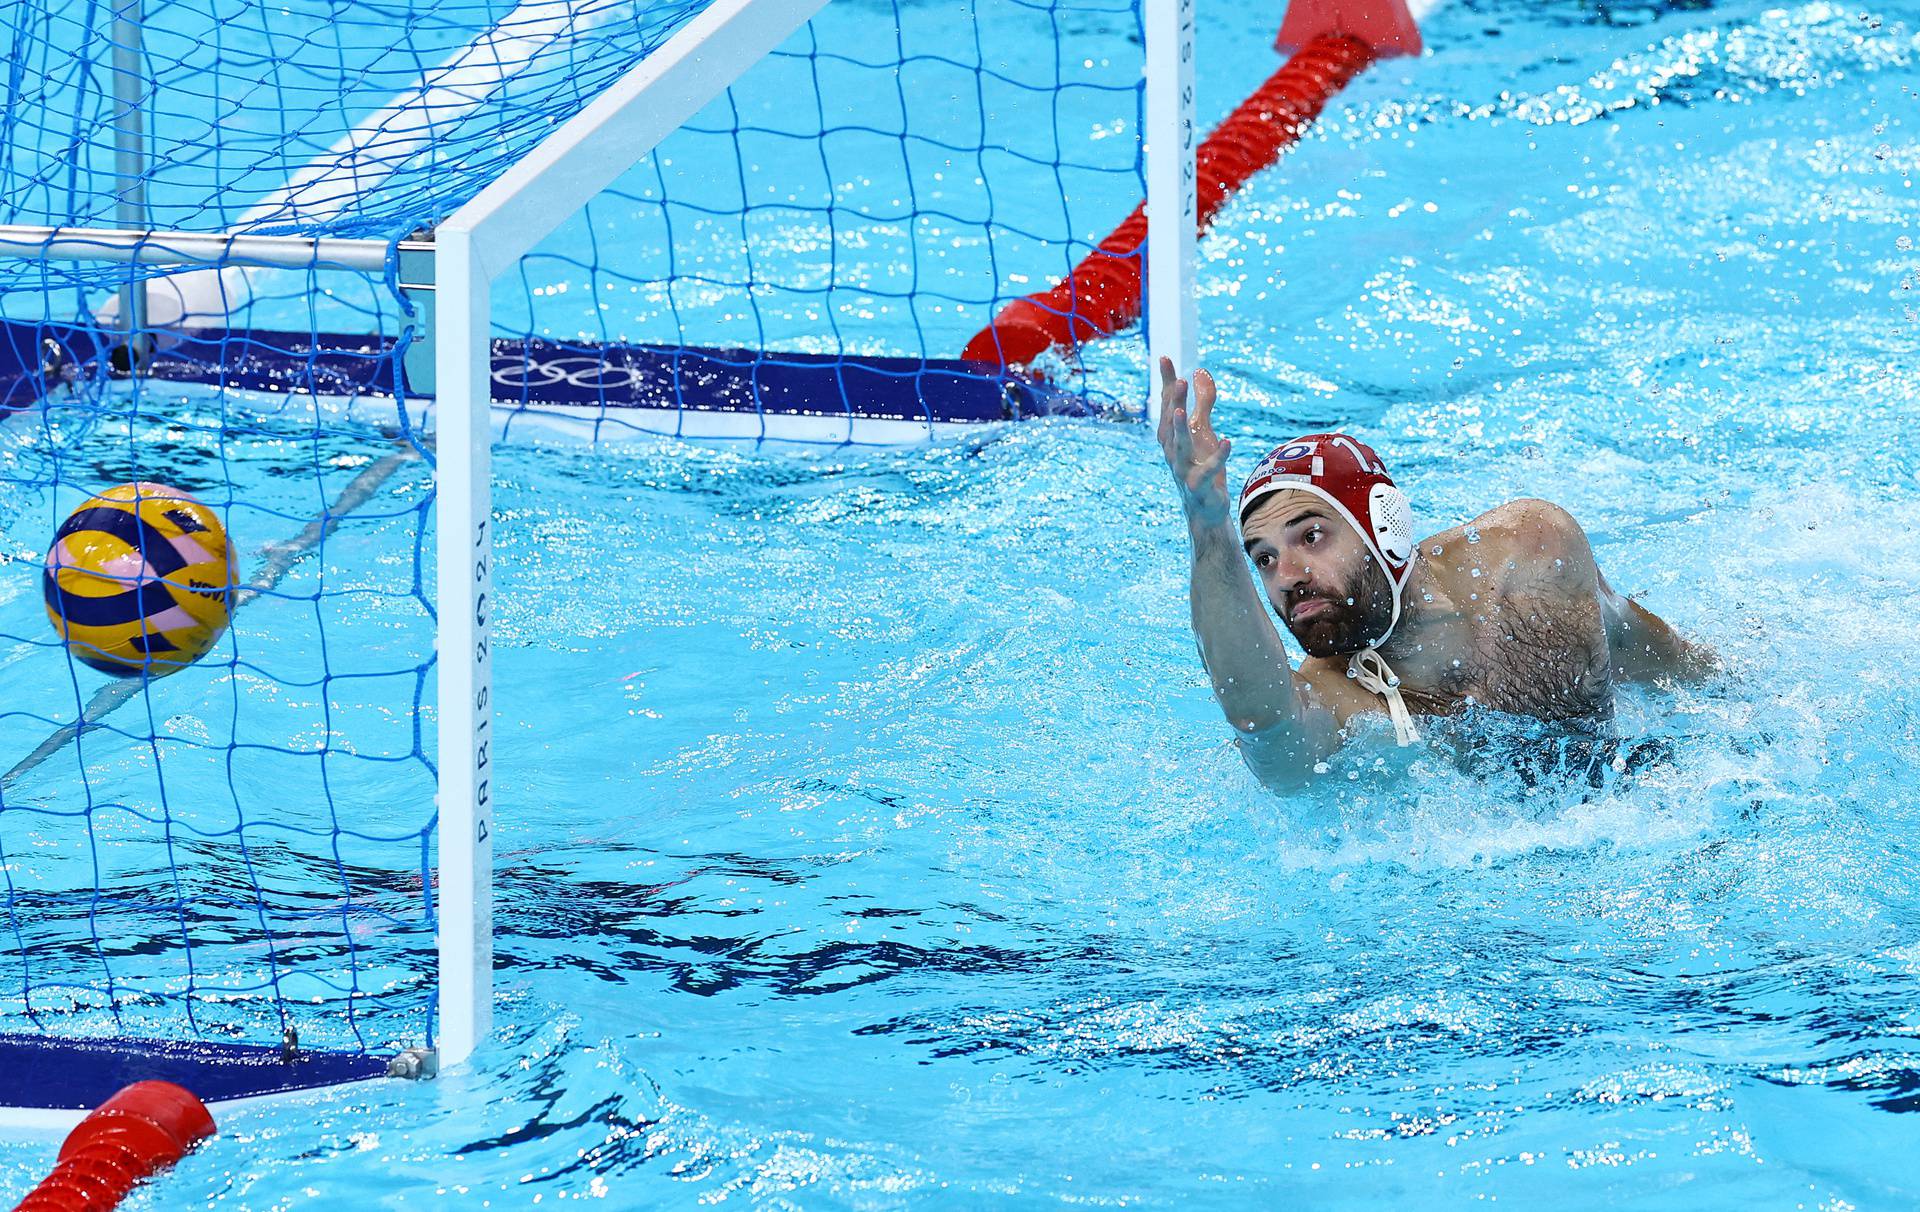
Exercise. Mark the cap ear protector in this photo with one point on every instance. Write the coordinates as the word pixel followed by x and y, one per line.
pixel 1392 520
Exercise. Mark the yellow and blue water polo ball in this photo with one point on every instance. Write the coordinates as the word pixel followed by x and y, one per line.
pixel 140 580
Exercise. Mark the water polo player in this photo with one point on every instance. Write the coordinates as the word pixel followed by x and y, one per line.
pixel 1508 612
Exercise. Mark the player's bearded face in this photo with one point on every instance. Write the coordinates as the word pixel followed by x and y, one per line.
pixel 1340 619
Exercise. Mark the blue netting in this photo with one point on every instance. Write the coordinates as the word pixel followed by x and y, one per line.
pixel 247 845
pixel 240 98
pixel 879 185
pixel 241 846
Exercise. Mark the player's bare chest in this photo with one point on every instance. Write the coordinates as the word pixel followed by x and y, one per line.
pixel 1526 654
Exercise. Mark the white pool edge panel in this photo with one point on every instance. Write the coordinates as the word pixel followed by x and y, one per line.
pixel 53 1121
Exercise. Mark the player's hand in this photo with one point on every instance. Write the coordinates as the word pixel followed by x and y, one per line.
pixel 1196 455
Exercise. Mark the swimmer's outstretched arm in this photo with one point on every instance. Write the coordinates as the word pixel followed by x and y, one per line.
pixel 1640 645
pixel 1644 647
pixel 1241 649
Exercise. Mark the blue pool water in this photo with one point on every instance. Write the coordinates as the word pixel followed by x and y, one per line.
pixel 869 837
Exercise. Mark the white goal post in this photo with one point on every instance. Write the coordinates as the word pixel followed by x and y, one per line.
pixel 482 239
pixel 506 220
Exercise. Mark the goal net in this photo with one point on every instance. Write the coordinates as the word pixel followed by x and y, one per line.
pixel 863 200
pixel 235 266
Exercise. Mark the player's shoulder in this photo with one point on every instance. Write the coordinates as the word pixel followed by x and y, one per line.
pixel 1526 525
pixel 1537 540
pixel 1529 516
pixel 1530 525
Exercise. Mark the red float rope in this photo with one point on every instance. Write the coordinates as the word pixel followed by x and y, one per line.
pixel 132 1136
pixel 1102 295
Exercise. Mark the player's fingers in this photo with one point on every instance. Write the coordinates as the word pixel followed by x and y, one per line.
pixel 1169 435
pixel 1173 432
pixel 1173 388
pixel 1203 396
pixel 1181 448
pixel 1172 392
pixel 1173 399
pixel 1212 467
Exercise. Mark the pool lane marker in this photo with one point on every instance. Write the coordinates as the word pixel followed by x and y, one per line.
pixel 131 1137
pixel 1336 41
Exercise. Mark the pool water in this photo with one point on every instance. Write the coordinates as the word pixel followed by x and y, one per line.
pixel 869 837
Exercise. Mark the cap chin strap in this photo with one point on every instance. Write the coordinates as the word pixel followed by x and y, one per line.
pixel 1371 670
pixel 1373 673
pixel 1394 620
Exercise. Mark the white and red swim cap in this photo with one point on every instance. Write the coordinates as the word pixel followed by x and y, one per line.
pixel 1346 474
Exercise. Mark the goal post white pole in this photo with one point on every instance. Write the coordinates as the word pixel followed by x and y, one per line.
pixel 482 239
pixel 1172 193
pixel 464 504
pixel 130 159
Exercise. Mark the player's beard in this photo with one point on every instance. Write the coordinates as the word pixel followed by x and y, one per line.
pixel 1357 615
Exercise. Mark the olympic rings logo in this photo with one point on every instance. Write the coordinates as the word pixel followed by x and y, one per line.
pixel 586 373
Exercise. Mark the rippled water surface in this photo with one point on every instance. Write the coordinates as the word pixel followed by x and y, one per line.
pixel 869 837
